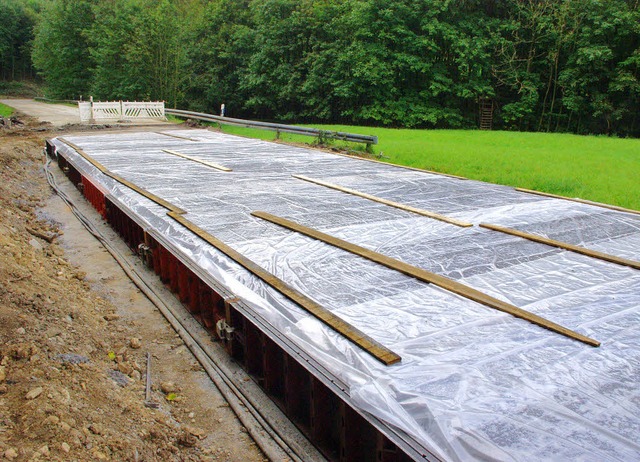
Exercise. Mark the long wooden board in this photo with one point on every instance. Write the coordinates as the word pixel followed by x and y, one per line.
pixel 581 201
pixel 427 276
pixel 381 200
pixel 374 348
pixel 564 245
pixel 359 338
pixel 119 179
pixel 200 161
pixel 177 136
pixel 86 156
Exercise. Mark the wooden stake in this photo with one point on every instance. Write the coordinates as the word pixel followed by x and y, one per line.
pixel 148 402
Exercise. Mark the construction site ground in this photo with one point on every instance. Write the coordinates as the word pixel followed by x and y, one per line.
pixel 74 333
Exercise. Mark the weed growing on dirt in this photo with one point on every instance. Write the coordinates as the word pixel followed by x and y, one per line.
pixel 5 111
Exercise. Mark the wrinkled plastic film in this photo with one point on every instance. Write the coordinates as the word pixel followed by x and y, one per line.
pixel 473 382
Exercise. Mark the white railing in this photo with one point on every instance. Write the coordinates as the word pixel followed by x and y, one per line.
pixel 142 110
pixel 120 110
pixel 106 111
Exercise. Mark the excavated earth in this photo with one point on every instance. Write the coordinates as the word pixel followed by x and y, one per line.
pixel 74 333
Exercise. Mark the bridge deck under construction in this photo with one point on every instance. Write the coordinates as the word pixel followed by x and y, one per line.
pixel 392 313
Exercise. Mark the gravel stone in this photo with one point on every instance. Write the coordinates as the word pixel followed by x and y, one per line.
pixel 33 394
pixel 72 358
pixel 118 377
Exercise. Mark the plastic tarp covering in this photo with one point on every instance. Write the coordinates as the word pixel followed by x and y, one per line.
pixel 473 383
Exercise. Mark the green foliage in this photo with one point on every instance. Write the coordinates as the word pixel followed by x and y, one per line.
pixel 569 66
pixel 547 65
pixel 17 18
pixel 392 63
pixel 222 41
pixel 113 76
pixel 137 49
pixel 61 49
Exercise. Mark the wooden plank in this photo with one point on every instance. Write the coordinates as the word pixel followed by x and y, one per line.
pixel 380 200
pixel 144 192
pixel 177 136
pixel 119 179
pixel 581 201
pixel 86 156
pixel 359 338
pixel 200 161
pixel 427 276
pixel 565 246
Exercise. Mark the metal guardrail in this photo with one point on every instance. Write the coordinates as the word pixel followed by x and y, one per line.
pixel 315 132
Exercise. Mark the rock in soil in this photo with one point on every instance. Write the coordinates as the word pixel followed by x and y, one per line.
pixel 33 394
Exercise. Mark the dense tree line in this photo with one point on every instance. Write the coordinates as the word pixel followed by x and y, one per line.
pixel 17 19
pixel 549 65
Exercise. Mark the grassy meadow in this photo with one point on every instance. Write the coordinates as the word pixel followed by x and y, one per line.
pixel 597 168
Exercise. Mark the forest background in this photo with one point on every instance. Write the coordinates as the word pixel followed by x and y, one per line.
pixel 544 65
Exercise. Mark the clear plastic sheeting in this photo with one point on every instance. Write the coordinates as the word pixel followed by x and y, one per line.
pixel 474 383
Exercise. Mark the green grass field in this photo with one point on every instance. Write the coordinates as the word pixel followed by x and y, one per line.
pixel 5 111
pixel 596 168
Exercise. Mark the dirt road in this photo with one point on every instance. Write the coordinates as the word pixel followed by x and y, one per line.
pixel 73 336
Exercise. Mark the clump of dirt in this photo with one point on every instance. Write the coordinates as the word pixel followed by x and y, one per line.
pixel 9 122
pixel 71 373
